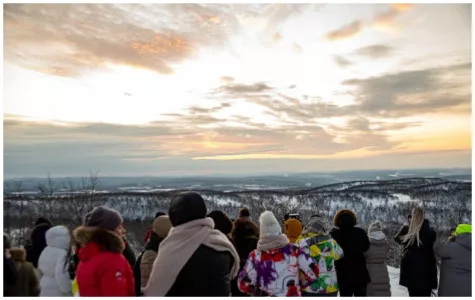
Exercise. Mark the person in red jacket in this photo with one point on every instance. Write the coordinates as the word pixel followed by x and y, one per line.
pixel 103 271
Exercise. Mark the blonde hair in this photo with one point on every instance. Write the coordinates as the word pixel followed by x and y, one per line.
pixel 414 227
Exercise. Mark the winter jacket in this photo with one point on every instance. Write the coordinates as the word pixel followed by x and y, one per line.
pixel 324 251
pixel 53 264
pixel 293 229
pixel 276 272
pixel 27 281
pixel 456 267
pixel 245 236
pixel 9 273
pixel 148 257
pixel 38 243
pixel 351 269
pixel 376 263
pixel 418 264
pixel 102 271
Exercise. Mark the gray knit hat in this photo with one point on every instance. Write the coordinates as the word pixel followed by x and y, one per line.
pixel 316 224
pixel 104 218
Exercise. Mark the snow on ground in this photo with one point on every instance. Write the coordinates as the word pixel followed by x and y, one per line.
pixel 396 289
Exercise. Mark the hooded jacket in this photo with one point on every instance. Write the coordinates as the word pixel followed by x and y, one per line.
pixel 376 263
pixel 37 243
pixel 293 229
pixel 102 271
pixel 27 281
pixel 53 264
pixel 456 267
pixel 245 236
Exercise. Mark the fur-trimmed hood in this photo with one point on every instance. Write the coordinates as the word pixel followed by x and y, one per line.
pixel 243 228
pixel 18 254
pixel 345 218
pixel 105 239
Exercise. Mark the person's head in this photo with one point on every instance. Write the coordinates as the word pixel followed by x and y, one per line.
pixel 286 216
pixel 344 219
pixel 317 225
pixel 60 237
pixel 186 207
pixel 161 226
pixel 221 221
pixel 415 226
pixel 42 220
pixel 244 213
pixel 105 218
pixel 268 225
pixel 375 226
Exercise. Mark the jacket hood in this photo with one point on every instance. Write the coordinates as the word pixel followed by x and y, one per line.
pixel 18 254
pixel 58 237
pixel 243 228
pixel 38 235
pixel 464 240
pixel 293 228
pixel 377 235
pixel 186 207
pixel 105 239
pixel 345 218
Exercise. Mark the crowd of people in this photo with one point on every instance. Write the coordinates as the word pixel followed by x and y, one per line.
pixel 190 252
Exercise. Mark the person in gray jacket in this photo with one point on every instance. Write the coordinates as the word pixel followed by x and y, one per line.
pixel 376 262
pixel 456 267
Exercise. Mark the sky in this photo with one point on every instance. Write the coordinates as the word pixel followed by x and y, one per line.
pixel 190 89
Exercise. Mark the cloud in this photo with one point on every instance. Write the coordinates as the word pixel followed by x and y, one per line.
pixel 246 88
pixel 227 79
pixel 387 18
pixel 345 32
pixel 71 39
pixel 374 51
pixel 341 61
pixel 411 92
pixel 276 37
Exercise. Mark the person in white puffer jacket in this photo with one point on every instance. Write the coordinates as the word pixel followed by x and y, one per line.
pixel 53 263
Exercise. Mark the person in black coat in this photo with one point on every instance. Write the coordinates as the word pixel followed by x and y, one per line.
pixel 245 236
pixel 351 271
pixel 206 273
pixel 418 264
pixel 37 243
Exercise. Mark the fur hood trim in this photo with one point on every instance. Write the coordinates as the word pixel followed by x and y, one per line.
pixel 18 254
pixel 107 240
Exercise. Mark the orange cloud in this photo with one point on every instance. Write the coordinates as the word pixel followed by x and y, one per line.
pixel 345 32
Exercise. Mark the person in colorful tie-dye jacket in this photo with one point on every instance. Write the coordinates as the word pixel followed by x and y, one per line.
pixel 273 268
pixel 316 242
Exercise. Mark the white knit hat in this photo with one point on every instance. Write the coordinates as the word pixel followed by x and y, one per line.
pixel 268 224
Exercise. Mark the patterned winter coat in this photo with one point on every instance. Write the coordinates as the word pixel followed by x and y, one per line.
pixel 376 264
pixel 276 272
pixel 324 251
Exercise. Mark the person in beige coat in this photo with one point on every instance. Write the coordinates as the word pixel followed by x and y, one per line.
pixel 161 227
pixel 376 262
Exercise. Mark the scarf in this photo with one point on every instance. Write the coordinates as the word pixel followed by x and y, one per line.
pixel 177 248
pixel 377 235
pixel 272 242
